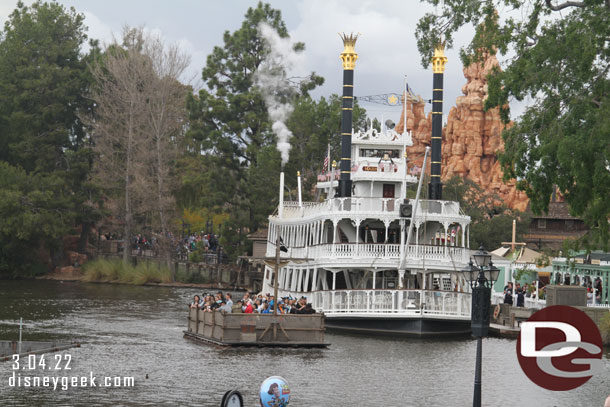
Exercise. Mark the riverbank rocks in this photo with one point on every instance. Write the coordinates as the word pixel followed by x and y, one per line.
pixel 471 137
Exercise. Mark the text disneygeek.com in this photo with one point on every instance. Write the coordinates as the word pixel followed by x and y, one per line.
pixel 58 363
pixel 68 382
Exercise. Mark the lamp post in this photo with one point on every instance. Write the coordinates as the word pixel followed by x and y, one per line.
pixel 481 278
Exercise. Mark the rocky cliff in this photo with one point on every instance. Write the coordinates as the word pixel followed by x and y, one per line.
pixel 471 137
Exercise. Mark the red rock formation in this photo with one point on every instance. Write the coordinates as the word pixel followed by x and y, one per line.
pixel 471 137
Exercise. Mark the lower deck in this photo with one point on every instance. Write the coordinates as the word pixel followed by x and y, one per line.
pixel 392 303
pixel 421 327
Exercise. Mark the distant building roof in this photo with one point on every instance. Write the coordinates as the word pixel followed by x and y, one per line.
pixel 557 210
pixel 501 251
pixel 521 254
pixel 595 255
pixel 260 234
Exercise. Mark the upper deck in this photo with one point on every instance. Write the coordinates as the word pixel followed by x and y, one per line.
pixel 441 211
pixel 376 156
pixel 367 229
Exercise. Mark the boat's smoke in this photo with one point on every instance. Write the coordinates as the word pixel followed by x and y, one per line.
pixel 272 79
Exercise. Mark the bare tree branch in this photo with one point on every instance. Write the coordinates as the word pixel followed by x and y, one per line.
pixel 139 112
pixel 567 4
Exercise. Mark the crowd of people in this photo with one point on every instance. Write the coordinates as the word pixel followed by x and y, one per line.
pixel 202 244
pixel 250 304
pixel 516 295
pixel 206 243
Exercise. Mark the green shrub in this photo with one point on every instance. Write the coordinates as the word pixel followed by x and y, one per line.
pixel 604 327
pixel 198 254
pixel 103 270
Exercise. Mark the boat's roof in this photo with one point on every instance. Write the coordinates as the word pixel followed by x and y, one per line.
pixel 388 138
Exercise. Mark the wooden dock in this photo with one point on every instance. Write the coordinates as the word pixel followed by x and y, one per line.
pixel 261 330
pixel 504 331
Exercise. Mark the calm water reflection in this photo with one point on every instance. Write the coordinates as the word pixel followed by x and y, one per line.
pixel 135 331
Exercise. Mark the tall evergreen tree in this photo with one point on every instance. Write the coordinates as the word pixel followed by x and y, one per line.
pixel 43 144
pixel 229 121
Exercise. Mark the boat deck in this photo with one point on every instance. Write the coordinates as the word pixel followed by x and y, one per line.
pixel 259 344
pixel 264 330
pixel 504 331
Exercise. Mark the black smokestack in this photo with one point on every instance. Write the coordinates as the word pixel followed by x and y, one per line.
pixel 348 57
pixel 435 188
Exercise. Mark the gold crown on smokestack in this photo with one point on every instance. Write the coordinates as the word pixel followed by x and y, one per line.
pixel 349 55
pixel 439 59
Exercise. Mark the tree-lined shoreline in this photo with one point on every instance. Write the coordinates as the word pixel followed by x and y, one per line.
pixel 108 140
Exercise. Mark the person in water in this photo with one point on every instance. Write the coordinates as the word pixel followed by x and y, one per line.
pixel 276 399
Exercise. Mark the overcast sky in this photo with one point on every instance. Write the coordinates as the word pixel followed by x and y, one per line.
pixel 387 48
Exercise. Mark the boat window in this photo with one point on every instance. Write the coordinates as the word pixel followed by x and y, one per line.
pixel 388 190
pixel 378 153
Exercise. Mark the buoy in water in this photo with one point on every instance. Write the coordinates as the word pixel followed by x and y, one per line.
pixel 274 392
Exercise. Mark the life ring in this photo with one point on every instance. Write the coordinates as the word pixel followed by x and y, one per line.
pixel 497 311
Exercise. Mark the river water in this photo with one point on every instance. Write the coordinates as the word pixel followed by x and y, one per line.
pixel 137 331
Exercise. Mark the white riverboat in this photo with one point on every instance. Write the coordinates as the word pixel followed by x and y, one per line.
pixel 368 258
pixel 350 257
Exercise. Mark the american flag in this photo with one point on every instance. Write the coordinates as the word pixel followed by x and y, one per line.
pixel 415 170
pixel 326 160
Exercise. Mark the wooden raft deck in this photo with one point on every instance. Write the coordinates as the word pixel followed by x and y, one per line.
pixel 503 331
pixel 262 330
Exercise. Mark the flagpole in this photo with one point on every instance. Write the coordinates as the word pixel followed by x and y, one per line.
pixel 329 173
pixel 404 141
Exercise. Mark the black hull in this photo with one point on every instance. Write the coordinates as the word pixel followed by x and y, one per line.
pixel 410 327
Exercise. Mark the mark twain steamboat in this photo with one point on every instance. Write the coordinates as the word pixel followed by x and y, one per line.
pixel 369 258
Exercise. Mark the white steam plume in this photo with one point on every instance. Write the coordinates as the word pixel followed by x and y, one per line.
pixel 271 78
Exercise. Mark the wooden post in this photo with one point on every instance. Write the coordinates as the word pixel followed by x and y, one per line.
pixel 275 285
pixel 213 324
pixel 218 266
pixel 276 276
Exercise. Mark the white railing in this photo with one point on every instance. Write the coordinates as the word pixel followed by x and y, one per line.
pixel 433 207
pixel 408 302
pixel 529 302
pixel 351 250
pixel 438 253
pixel 427 208
pixel 598 305
pixel 370 251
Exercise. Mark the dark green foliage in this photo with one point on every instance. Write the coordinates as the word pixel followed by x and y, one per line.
pixel 42 76
pixel 562 64
pixel 314 125
pixel 229 121
pixel 491 222
pixel 44 154
pixel 233 164
pixel 34 213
